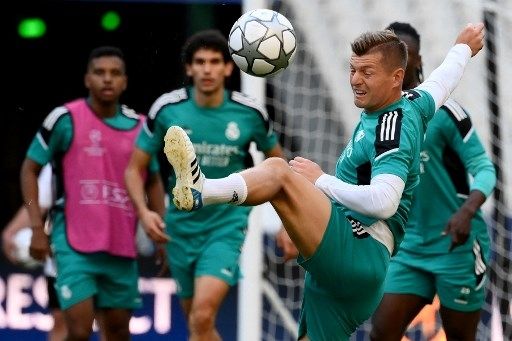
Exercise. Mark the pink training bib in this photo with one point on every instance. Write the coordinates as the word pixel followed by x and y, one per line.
pixel 99 213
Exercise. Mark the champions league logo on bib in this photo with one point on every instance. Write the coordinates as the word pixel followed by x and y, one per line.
pixel 95 148
pixel 232 131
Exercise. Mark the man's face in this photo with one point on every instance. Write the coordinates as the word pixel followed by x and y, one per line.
pixel 208 70
pixel 373 81
pixel 106 79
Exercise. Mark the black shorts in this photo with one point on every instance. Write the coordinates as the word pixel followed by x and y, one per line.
pixel 53 302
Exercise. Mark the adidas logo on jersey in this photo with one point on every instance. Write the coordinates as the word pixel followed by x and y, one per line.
pixel 357 228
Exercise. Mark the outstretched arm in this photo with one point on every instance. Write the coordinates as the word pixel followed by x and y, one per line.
pixel 155 193
pixel 459 225
pixel 39 246
pixel 464 139
pixel 20 220
pixel 443 80
pixel 379 199
pixel 151 220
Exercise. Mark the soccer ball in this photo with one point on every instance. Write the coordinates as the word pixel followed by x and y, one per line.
pixel 22 245
pixel 262 42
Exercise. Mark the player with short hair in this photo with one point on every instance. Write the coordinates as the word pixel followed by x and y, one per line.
pixel 347 226
pixel 205 245
pixel 20 221
pixel 446 245
pixel 89 142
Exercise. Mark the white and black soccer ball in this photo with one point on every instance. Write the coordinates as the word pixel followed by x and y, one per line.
pixel 262 42
pixel 21 241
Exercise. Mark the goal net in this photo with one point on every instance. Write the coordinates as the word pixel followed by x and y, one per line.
pixel 311 103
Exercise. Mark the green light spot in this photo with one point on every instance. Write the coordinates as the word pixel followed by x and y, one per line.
pixel 32 28
pixel 110 21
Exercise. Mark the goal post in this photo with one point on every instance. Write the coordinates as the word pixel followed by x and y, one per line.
pixel 250 287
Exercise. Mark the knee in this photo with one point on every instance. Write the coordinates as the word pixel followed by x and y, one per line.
pixel 117 334
pixel 59 323
pixel 381 333
pixel 202 318
pixel 276 163
pixel 454 329
pixel 461 332
pixel 117 328
pixel 383 329
pixel 120 332
pixel 279 167
pixel 376 333
pixel 79 332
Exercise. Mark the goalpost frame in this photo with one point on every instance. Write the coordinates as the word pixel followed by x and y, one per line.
pixel 250 309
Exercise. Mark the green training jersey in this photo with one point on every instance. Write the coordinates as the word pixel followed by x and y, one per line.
pixel 388 142
pixel 451 153
pixel 221 137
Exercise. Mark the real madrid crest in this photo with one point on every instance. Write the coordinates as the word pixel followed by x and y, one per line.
pixel 232 131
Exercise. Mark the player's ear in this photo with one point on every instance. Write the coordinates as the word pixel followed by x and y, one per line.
pixel 86 81
pixel 398 77
pixel 228 69
pixel 188 70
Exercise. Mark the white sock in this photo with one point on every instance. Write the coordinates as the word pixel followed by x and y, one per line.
pixel 231 189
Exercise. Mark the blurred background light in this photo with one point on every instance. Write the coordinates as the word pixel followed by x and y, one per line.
pixel 32 28
pixel 110 21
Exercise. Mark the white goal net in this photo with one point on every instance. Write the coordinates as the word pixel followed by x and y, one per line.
pixel 311 103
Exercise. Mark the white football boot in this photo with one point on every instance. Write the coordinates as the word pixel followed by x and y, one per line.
pixel 189 178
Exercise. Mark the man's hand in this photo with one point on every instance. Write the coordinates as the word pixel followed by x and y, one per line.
pixel 286 244
pixel 459 227
pixel 162 261
pixel 473 36
pixel 154 226
pixel 39 244
pixel 8 246
pixel 306 168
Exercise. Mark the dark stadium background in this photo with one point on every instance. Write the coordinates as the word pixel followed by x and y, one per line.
pixel 40 74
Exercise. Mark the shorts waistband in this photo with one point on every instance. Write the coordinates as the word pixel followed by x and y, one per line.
pixel 381 233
